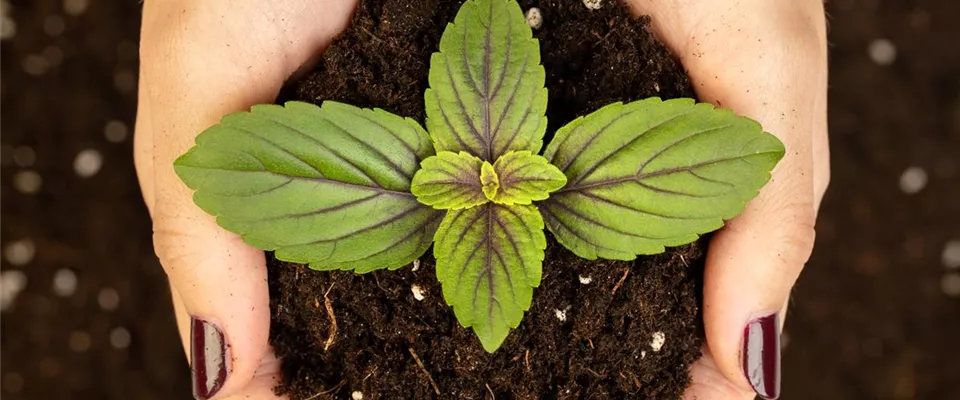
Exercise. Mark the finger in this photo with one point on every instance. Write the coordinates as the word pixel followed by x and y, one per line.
pixel 197 66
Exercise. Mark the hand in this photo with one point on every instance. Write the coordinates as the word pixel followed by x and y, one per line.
pixel 766 60
pixel 201 60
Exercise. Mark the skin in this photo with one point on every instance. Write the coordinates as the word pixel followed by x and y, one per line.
pixel 201 60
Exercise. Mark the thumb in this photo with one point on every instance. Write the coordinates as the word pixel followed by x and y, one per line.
pixel 751 267
pixel 765 60
pixel 220 282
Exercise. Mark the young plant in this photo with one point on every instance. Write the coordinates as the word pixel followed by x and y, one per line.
pixel 339 187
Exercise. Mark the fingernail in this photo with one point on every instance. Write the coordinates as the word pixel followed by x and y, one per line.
pixel 761 355
pixel 208 352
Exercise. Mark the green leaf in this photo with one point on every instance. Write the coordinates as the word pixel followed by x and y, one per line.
pixel 489 259
pixel 449 181
pixel 653 173
pixel 486 94
pixel 526 177
pixel 326 186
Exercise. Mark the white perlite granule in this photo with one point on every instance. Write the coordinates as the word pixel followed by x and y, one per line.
pixel 27 181
pixel 12 283
pixel 120 338
pixel 951 255
pixel 882 51
pixel 913 180
pixel 950 284
pixel 75 7
pixel 356 395
pixel 20 252
pixel 585 280
pixel 108 299
pixel 417 292
pixel 593 4
pixel 88 163
pixel 534 18
pixel 561 314
pixel 657 341
pixel 115 131
pixel 8 28
pixel 35 64
pixel 64 282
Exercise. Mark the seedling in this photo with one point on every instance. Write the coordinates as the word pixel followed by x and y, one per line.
pixel 339 187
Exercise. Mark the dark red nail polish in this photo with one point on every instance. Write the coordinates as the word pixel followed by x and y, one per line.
pixel 761 355
pixel 208 352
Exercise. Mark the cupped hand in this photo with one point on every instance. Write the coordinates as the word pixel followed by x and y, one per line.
pixel 766 60
pixel 200 60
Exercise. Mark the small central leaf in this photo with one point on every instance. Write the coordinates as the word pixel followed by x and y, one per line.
pixel 450 181
pixel 526 177
pixel 489 180
pixel 486 94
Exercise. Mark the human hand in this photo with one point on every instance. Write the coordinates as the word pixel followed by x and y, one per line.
pixel 766 60
pixel 200 60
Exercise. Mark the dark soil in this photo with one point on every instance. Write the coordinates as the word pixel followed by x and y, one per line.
pixel 601 349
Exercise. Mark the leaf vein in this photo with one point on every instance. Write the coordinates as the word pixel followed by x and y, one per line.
pixel 276 146
pixel 627 207
pixel 548 213
pixel 487 50
pixel 639 135
pixel 265 191
pixel 585 218
pixel 694 173
pixel 463 109
pixel 323 145
pixel 677 143
pixel 413 153
pixel 379 224
pixel 413 232
pixel 380 153
pixel 513 242
pixel 673 192
pixel 510 102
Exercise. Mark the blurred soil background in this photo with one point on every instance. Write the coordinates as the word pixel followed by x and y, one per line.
pixel 85 312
